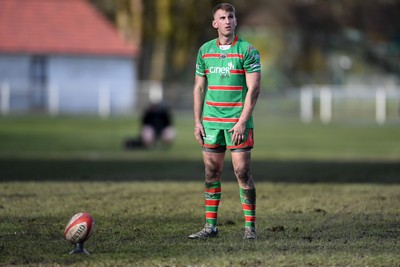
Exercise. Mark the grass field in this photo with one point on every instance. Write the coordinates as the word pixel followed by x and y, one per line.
pixel 328 195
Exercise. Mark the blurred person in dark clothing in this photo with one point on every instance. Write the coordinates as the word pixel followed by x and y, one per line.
pixel 156 125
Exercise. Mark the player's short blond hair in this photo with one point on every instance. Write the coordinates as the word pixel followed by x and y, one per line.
pixel 224 6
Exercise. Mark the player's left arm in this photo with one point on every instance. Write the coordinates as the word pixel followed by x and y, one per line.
pixel 253 81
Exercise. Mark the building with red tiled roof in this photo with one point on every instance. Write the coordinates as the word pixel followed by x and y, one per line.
pixel 63 55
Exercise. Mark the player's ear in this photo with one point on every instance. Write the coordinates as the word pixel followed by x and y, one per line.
pixel 214 24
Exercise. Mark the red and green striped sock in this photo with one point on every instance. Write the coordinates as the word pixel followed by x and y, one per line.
pixel 212 196
pixel 248 200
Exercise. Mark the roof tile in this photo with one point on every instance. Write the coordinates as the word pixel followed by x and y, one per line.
pixel 58 27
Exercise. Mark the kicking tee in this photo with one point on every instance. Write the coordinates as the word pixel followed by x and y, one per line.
pixel 225 68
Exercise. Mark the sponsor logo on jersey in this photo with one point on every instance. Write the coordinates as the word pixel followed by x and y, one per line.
pixel 223 71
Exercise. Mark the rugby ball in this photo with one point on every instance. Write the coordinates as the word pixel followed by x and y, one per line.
pixel 79 228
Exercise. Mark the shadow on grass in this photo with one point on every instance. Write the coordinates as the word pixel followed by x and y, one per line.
pixel 286 171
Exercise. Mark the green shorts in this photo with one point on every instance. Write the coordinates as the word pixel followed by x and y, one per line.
pixel 217 140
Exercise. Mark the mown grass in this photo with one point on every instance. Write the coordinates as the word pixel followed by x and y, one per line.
pixel 276 138
pixel 147 223
pixel 328 195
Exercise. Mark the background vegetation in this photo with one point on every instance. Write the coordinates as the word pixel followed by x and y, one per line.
pixel 301 42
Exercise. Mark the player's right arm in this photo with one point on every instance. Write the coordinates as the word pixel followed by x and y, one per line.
pixel 198 100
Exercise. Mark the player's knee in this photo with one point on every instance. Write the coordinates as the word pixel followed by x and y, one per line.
pixel 212 171
pixel 212 174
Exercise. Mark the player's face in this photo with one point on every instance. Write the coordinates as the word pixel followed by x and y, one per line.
pixel 224 22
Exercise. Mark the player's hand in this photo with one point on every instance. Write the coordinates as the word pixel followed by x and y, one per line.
pixel 199 133
pixel 238 133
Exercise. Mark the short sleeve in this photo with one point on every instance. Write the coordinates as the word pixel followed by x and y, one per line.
pixel 252 60
pixel 200 68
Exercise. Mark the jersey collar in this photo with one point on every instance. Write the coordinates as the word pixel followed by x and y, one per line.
pixel 233 43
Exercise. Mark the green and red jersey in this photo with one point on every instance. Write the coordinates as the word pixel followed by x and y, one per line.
pixel 225 72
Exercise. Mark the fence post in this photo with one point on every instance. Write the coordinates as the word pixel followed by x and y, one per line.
pixel 104 101
pixel 326 105
pixel 306 104
pixel 5 98
pixel 380 106
pixel 54 100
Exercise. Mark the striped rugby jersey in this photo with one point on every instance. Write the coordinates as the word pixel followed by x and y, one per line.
pixel 225 72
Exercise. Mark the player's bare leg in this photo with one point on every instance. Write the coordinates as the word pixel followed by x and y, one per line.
pixel 213 164
pixel 241 165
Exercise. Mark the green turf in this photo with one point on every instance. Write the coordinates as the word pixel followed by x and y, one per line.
pixel 328 195
pixel 275 138
pixel 147 223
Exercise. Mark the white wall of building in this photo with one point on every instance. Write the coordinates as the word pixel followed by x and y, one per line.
pixel 75 84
